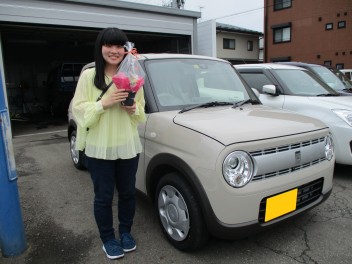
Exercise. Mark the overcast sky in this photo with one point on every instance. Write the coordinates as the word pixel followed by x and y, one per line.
pixel 242 13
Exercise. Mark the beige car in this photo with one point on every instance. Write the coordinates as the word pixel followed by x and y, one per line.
pixel 216 161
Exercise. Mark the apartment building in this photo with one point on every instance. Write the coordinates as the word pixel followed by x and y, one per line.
pixel 314 31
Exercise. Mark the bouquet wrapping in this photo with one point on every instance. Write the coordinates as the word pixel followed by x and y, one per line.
pixel 130 76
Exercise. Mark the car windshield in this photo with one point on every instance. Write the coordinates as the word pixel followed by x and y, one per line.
pixel 300 82
pixel 329 77
pixel 184 82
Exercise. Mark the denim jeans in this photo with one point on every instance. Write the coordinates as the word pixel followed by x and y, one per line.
pixel 106 175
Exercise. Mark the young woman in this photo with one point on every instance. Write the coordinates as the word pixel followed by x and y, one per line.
pixel 107 131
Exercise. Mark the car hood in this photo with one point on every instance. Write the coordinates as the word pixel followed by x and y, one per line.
pixel 228 125
pixel 335 102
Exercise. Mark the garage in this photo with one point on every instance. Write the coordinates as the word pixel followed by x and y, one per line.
pixel 44 45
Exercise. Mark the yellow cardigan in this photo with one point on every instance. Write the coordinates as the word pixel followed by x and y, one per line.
pixel 112 132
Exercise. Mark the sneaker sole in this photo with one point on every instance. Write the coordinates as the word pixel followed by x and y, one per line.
pixel 113 257
pixel 129 249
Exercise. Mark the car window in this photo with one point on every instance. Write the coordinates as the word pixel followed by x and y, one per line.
pixel 329 77
pixel 346 82
pixel 299 82
pixel 256 80
pixel 180 83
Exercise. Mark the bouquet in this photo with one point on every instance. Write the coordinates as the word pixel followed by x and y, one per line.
pixel 130 76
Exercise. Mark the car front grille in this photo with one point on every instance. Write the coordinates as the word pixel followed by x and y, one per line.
pixel 307 194
pixel 285 159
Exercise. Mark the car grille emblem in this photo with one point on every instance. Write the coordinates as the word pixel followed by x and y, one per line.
pixel 298 157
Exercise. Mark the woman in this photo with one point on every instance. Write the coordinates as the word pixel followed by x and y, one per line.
pixel 107 131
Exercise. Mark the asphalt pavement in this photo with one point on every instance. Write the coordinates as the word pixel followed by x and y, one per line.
pixel 56 202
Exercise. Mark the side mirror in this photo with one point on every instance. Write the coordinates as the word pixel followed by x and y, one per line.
pixel 256 92
pixel 269 89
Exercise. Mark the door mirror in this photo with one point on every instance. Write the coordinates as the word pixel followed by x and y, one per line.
pixel 269 89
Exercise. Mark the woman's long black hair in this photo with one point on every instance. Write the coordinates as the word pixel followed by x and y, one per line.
pixel 108 36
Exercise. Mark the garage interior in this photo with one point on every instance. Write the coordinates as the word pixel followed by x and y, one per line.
pixel 33 55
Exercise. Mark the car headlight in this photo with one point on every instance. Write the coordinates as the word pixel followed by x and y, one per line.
pixel 238 169
pixel 329 147
pixel 345 115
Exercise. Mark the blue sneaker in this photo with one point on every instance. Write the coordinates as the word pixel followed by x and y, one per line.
pixel 113 249
pixel 127 242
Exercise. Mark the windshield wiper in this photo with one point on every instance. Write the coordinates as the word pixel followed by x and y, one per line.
pixel 239 103
pixel 329 94
pixel 205 105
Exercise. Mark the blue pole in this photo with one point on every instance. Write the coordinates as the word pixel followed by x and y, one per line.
pixel 12 237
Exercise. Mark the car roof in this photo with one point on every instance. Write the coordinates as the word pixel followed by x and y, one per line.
pixel 272 66
pixel 301 64
pixel 152 56
pixel 158 56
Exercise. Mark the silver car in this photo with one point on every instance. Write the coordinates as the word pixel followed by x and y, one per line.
pixel 296 89
pixel 216 161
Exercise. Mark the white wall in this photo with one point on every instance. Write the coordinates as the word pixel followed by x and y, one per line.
pixel 206 32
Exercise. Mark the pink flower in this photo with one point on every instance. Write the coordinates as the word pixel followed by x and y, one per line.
pixel 121 81
pixel 132 83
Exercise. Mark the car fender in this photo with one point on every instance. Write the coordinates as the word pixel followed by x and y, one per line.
pixel 164 163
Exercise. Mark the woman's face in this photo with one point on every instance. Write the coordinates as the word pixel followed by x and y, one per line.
pixel 113 54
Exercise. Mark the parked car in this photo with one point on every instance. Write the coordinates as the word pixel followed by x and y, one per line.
pixel 61 82
pixel 326 75
pixel 342 76
pixel 297 89
pixel 216 161
pixel 347 72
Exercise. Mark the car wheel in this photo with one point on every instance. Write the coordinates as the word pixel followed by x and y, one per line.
pixel 179 213
pixel 76 156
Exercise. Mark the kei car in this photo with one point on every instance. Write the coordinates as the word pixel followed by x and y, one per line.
pixel 216 162
pixel 326 75
pixel 296 89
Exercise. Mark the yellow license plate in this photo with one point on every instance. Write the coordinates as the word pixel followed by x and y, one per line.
pixel 280 204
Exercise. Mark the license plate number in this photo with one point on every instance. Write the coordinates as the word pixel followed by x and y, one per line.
pixel 280 204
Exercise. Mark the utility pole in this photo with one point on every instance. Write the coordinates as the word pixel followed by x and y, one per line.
pixel 12 238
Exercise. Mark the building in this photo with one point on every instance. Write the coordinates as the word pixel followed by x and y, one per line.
pixel 312 31
pixel 235 44
pixel 37 36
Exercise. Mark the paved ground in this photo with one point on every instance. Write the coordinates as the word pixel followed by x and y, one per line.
pixel 56 201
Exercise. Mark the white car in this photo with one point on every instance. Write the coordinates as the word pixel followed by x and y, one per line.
pixel 215 160
pixel 347 72
pixel 294 88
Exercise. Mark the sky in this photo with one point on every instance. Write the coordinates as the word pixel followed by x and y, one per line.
pixel 248 14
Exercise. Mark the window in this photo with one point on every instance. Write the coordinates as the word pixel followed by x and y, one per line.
pixel 250 45
pixel 282 34
pixel 339 66
pixel 329 26
pixel 328 63
pixel 282 4
pixel 256 80
pixel 341 24
pixel 229 44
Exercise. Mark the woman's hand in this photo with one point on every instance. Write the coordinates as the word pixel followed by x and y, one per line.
pixel 129 109
pixel 117 96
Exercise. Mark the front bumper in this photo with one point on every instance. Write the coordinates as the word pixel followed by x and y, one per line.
pixel 237 231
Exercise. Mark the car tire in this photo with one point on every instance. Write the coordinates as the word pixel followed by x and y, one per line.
pixel 179 213
pixel 78 157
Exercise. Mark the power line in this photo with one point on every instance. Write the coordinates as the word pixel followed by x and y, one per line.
pixel 240 13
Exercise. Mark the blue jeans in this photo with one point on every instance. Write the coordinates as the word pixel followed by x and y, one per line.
pixel 106 175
